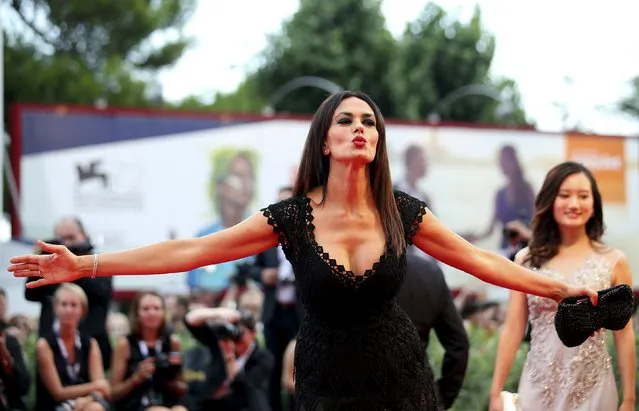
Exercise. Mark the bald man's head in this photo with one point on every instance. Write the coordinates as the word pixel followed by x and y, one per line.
pixel 70 231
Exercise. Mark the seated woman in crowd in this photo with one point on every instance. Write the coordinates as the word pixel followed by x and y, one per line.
pixel 146 372
pixel 70 374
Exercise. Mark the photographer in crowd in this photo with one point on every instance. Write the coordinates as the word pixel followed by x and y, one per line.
pixel 147 365
pixel 70 232
pixel 517 234
pixel 238 370
pixel 244 291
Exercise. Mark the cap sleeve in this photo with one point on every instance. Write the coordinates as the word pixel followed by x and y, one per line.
pixel 411 211
pixel 286 218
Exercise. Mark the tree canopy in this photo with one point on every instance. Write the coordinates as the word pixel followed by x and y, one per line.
pixel 89 52
pixel 630 104
pixel 347 42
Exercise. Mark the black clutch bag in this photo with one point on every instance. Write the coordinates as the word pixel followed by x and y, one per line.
pixel 577 319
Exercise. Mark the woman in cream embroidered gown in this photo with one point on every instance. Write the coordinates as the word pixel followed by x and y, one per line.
pixel 566 246
pixel 561 378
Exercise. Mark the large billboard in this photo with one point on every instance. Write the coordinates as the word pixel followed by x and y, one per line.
pixel 136 178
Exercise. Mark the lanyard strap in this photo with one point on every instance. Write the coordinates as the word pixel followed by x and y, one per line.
pixel 144 348
pixel 150 397
pixel 73 370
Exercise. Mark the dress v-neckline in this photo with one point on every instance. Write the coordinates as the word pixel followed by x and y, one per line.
pixel 337 268
pixel 570 274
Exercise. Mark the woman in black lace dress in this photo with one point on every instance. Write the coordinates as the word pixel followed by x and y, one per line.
pixel 345 232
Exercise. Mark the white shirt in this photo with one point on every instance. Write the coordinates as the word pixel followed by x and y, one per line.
pixel 285 289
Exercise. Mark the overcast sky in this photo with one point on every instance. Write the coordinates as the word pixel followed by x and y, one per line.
pixel 539 44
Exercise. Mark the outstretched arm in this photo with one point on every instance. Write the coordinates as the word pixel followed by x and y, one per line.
pixel 250 237
pixel 435 239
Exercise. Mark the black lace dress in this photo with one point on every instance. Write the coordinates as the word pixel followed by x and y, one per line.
pixel 356 349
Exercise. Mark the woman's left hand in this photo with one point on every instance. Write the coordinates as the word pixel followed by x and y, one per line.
pixel 580 291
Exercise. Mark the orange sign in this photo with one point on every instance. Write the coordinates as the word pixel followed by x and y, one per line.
pixel 605 157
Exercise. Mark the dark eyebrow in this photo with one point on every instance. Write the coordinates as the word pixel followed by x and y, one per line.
pixel 580 191
pixel 347 114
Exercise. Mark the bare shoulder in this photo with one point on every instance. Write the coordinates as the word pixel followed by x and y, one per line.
pixel 43 350
pixel 290 348
pixel 618 263
pixel 42 345
pixel 621 273
pixel 122 346
pixel 611 254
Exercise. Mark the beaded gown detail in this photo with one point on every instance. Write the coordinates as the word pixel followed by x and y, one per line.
pixel 357 350
pixel 559 378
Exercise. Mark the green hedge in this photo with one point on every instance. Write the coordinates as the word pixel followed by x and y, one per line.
pixel 474 395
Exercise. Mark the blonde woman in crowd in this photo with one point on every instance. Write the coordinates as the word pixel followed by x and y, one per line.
pixel 70 375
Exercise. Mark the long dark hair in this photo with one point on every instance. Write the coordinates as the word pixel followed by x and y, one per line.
pixel 545 241
pixel 314 166
pixel 134 316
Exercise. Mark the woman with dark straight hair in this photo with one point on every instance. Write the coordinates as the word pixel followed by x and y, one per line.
pixel 566 245
pixel 345 232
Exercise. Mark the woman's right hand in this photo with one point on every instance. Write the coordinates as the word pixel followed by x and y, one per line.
pixel 102 387
pixel 58 266
pixel 496 403
pixel 227 314
pixel 145 370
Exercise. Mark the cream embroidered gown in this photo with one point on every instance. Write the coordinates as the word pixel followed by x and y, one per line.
pixel 558 378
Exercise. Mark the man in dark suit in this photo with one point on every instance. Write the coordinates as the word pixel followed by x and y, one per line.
pixel 237 369
pixel 281 312
pixel 425 297
pixel 70 232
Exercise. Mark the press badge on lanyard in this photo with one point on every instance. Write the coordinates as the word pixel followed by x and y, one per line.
pixel 151 397
pixel 73 370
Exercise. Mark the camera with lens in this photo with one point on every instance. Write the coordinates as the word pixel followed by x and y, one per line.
pixel 234 331
pixel 226 331
pixel 513 235
pixel 510 234
pixel 165 369
pixel 84 248
pixel 286 281
pixel 244 273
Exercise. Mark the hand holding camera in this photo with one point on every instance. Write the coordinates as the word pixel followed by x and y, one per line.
pixel 145 370
pixel 167 367
pixel 244 273
pixel 229 315
pixel 516 229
